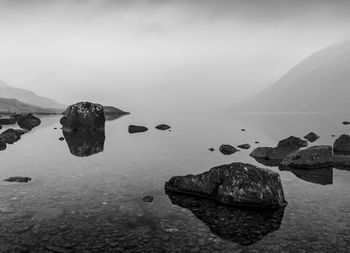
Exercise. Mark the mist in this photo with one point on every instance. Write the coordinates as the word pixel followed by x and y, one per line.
pixel 161 55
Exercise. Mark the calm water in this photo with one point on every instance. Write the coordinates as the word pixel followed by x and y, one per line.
pixel 94 203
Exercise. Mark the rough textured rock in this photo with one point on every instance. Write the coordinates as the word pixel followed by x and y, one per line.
pixel 342 144
pixel 227 149
pixel 163 127
pixel 137 129
pixel 240 225
pixel 341 161
pixel 8 121
pixel 10 135
pixel 83 116
pixel 278 153
pixel 312 157
pixel 244 146
pixel 28 121
pixel 311 137
pixel 18 179
pixel 235 184
pixel 148 199
pixel 85 143
pixel 2 145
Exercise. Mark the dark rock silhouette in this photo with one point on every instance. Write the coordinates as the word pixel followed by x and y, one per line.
pixel 342 144
pixel 312 157
pixel 28 121
pixel 18 179
pixel 311 137
pixel 163 127
pixel 322 176
pixel 227 149
pixel 277 154
pixel 10 135
pixel 148 199
pixel 85 143
pixel 346 123
pixel 83 116
pixel 235 184
pixel 137 129
pixel 240 225
pixel 61 138
pixel 244 146
pixel 211 149
pixel 113 113
pixel 8 121
pixel 342 161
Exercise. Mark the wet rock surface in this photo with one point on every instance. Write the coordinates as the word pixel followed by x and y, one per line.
pixel 227 149
pixel 342 144
pixel 244 226
pixel 85 143
pixel 137 129
pixel 28 121
pixel 244 146
pixel 83 116
pixel 18 179
pixel 310 158
pixel 163 127
pixel 235 184
pixel 277 154
pixel 311 137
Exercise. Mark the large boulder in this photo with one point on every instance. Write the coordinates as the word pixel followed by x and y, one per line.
pixel 83 116
pixel 240 225
pixel 235 184
pixel 227 149
pixel 342 144
pixel 28 121
pixel 10 135
pixel 277 154
pixel 310 158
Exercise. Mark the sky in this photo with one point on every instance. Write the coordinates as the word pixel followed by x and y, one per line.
pixel 161 55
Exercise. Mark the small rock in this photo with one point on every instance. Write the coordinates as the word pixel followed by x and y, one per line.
pixel 61 138
pixel 342 144
pixel 137 129
pixel 18 179
pixel 163 127
pixel 28 121
pixel 244 146
pixel 242 129
pixel 227 149
pixel 148 198
pixel 311 137
pixel 257 142
pixel 211 149
pixel 346 123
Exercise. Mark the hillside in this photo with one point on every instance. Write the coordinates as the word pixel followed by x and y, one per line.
pixel 320 83
pixel 15 106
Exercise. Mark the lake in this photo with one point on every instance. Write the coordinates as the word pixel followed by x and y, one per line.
pixel 86 194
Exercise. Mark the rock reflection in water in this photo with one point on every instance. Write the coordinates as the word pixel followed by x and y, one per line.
pixel 322 176
pixel 85 143
pixel 240 225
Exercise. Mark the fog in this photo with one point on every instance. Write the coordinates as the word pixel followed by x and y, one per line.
pixel 161 55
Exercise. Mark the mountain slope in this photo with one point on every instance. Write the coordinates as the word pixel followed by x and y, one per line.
pixel 14 106
pixel 321 83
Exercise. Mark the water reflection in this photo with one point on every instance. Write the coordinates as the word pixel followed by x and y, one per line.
pixel 111 117
pixel 243 226
pixel 85 143
pixel 322 176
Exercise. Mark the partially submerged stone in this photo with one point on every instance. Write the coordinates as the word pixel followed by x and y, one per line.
pixel 311 137
pixel 244 146
pixel 277 154
pixel 83 116
pixel 235 184
pixel 8 121
pixel 342 144
pixel 346 123
pixel 341 160
pixel 211 149
pixel 137 129
pixel 163 127
pixel 10 135
pixel 227 149
pixel 310 158
pixel 148 198
pixel 28 121
pixel 18 179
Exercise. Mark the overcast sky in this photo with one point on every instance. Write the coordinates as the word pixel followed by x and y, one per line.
pixel 169 55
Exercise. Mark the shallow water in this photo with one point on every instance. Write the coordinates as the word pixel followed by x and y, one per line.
pixel 78 203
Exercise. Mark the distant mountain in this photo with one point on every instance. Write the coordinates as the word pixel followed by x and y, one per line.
pixel 28 97
pixel 14 106
pixel 320 83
